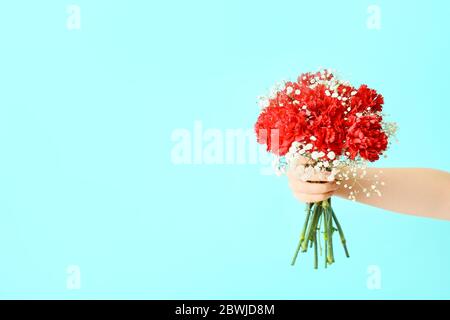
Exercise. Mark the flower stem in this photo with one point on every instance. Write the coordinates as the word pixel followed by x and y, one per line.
pixel 312 227
pixel 325 237
pixel 328 217
pixel 341 233
pixel 319 225
pixel 316 262
pixel 302 235
pixel 320 216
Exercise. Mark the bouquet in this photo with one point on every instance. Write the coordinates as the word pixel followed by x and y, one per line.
pixel 317 125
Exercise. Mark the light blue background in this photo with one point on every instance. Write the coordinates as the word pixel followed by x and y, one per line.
pixel 86 118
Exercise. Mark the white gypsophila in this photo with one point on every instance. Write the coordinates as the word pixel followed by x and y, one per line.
pixel 315 155
pixel 263 102
pixel 345 172
pixel 289 90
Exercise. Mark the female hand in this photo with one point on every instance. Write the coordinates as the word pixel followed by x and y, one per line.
pixel 316 189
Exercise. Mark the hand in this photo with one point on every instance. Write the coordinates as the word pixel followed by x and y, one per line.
pixel 317 189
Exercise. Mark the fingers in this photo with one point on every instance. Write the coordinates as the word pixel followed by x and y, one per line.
pixel 303 160
pixel 319 177
pixel 318 183
pixel 310 198
pixel 312 187
pixel 316 190
pixel 316 176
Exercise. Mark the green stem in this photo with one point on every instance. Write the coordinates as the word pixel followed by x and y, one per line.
pixel 319 224
pixel 316 262
pixel 325 237
pixel 330 256
pixel 310 228
pixel 302 235
pixel 341 233
pixel 320 215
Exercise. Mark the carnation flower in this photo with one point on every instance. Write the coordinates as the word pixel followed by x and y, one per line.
pixel 366 100
pixel 332 113
pixel 279 127
pixel 366 138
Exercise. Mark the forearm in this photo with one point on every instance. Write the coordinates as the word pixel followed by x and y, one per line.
pixel 421 192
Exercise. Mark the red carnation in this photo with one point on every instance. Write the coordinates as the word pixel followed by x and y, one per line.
pixel 319 110
pixel 366 138
pixel 278 127
pixel 329 130
pixel 366 99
